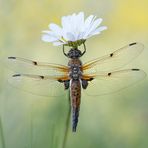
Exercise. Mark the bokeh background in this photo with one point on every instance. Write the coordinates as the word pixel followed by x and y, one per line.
pixel 113 121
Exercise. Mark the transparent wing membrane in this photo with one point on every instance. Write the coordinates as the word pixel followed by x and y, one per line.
pixel 102 73
pixel 22 65
pixel 105 83
pixel 114 60
pixel 39 85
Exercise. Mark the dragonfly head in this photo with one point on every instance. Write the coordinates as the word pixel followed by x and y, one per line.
pixel 74 53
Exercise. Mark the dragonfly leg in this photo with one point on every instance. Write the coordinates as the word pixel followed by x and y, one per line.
pixel 84 49
pixel 64 51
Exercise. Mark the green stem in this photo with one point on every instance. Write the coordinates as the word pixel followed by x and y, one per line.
pixel 2 135
pixel 67 122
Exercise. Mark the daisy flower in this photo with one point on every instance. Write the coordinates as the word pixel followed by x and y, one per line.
pixel 75 30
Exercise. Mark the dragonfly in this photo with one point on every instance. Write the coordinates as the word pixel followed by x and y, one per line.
pixel 100 76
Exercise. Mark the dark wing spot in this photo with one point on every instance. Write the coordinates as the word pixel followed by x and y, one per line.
pixel 11 57
pixel 35 63
pixel 42 77
pixel 109 74
pixel 132 44
pixel 111 54
pixel 61 81
pixel 136 69
pixel 16 75
pixel 90 79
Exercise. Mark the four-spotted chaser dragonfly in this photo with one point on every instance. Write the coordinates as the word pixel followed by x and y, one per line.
pixel 99 76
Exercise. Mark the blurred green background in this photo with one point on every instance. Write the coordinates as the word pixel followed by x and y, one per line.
pixel 113 121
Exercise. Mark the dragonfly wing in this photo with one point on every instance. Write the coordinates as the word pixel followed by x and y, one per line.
pixel 105 83
pixel 39 85
pixel 114 60
pixel 22 65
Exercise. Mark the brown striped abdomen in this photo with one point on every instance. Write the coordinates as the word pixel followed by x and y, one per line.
pixel 75 93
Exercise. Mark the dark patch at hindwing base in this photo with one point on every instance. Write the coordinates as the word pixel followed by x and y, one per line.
pixel 66 83
pixel 84 84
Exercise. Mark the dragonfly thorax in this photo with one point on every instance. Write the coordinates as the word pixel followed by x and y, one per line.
pixel 75 72
pixel 75 67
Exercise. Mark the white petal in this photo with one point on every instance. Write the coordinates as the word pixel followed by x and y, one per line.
pixel 102 28
pixel 72 22
pixel 88 20
pixel 79 25
pixel 94 25
pixel 47 38
pixel 74 28
pixel 65 23
pixel 57 43
pixel 64 35
pixel 80 36
pixel 55 28
pixel 97 31
pixel 80 19
pixel 70 37
pixel 88 25
pixel 50 33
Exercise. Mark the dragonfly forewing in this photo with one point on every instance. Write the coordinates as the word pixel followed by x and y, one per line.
pixel 23 65
pixel 114 60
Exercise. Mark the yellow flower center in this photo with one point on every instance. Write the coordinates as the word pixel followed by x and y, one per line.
pixel 75 43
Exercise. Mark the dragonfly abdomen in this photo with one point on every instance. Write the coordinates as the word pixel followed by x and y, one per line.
pixel 75 92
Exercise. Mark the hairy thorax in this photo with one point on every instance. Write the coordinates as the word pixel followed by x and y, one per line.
pixel 75 71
